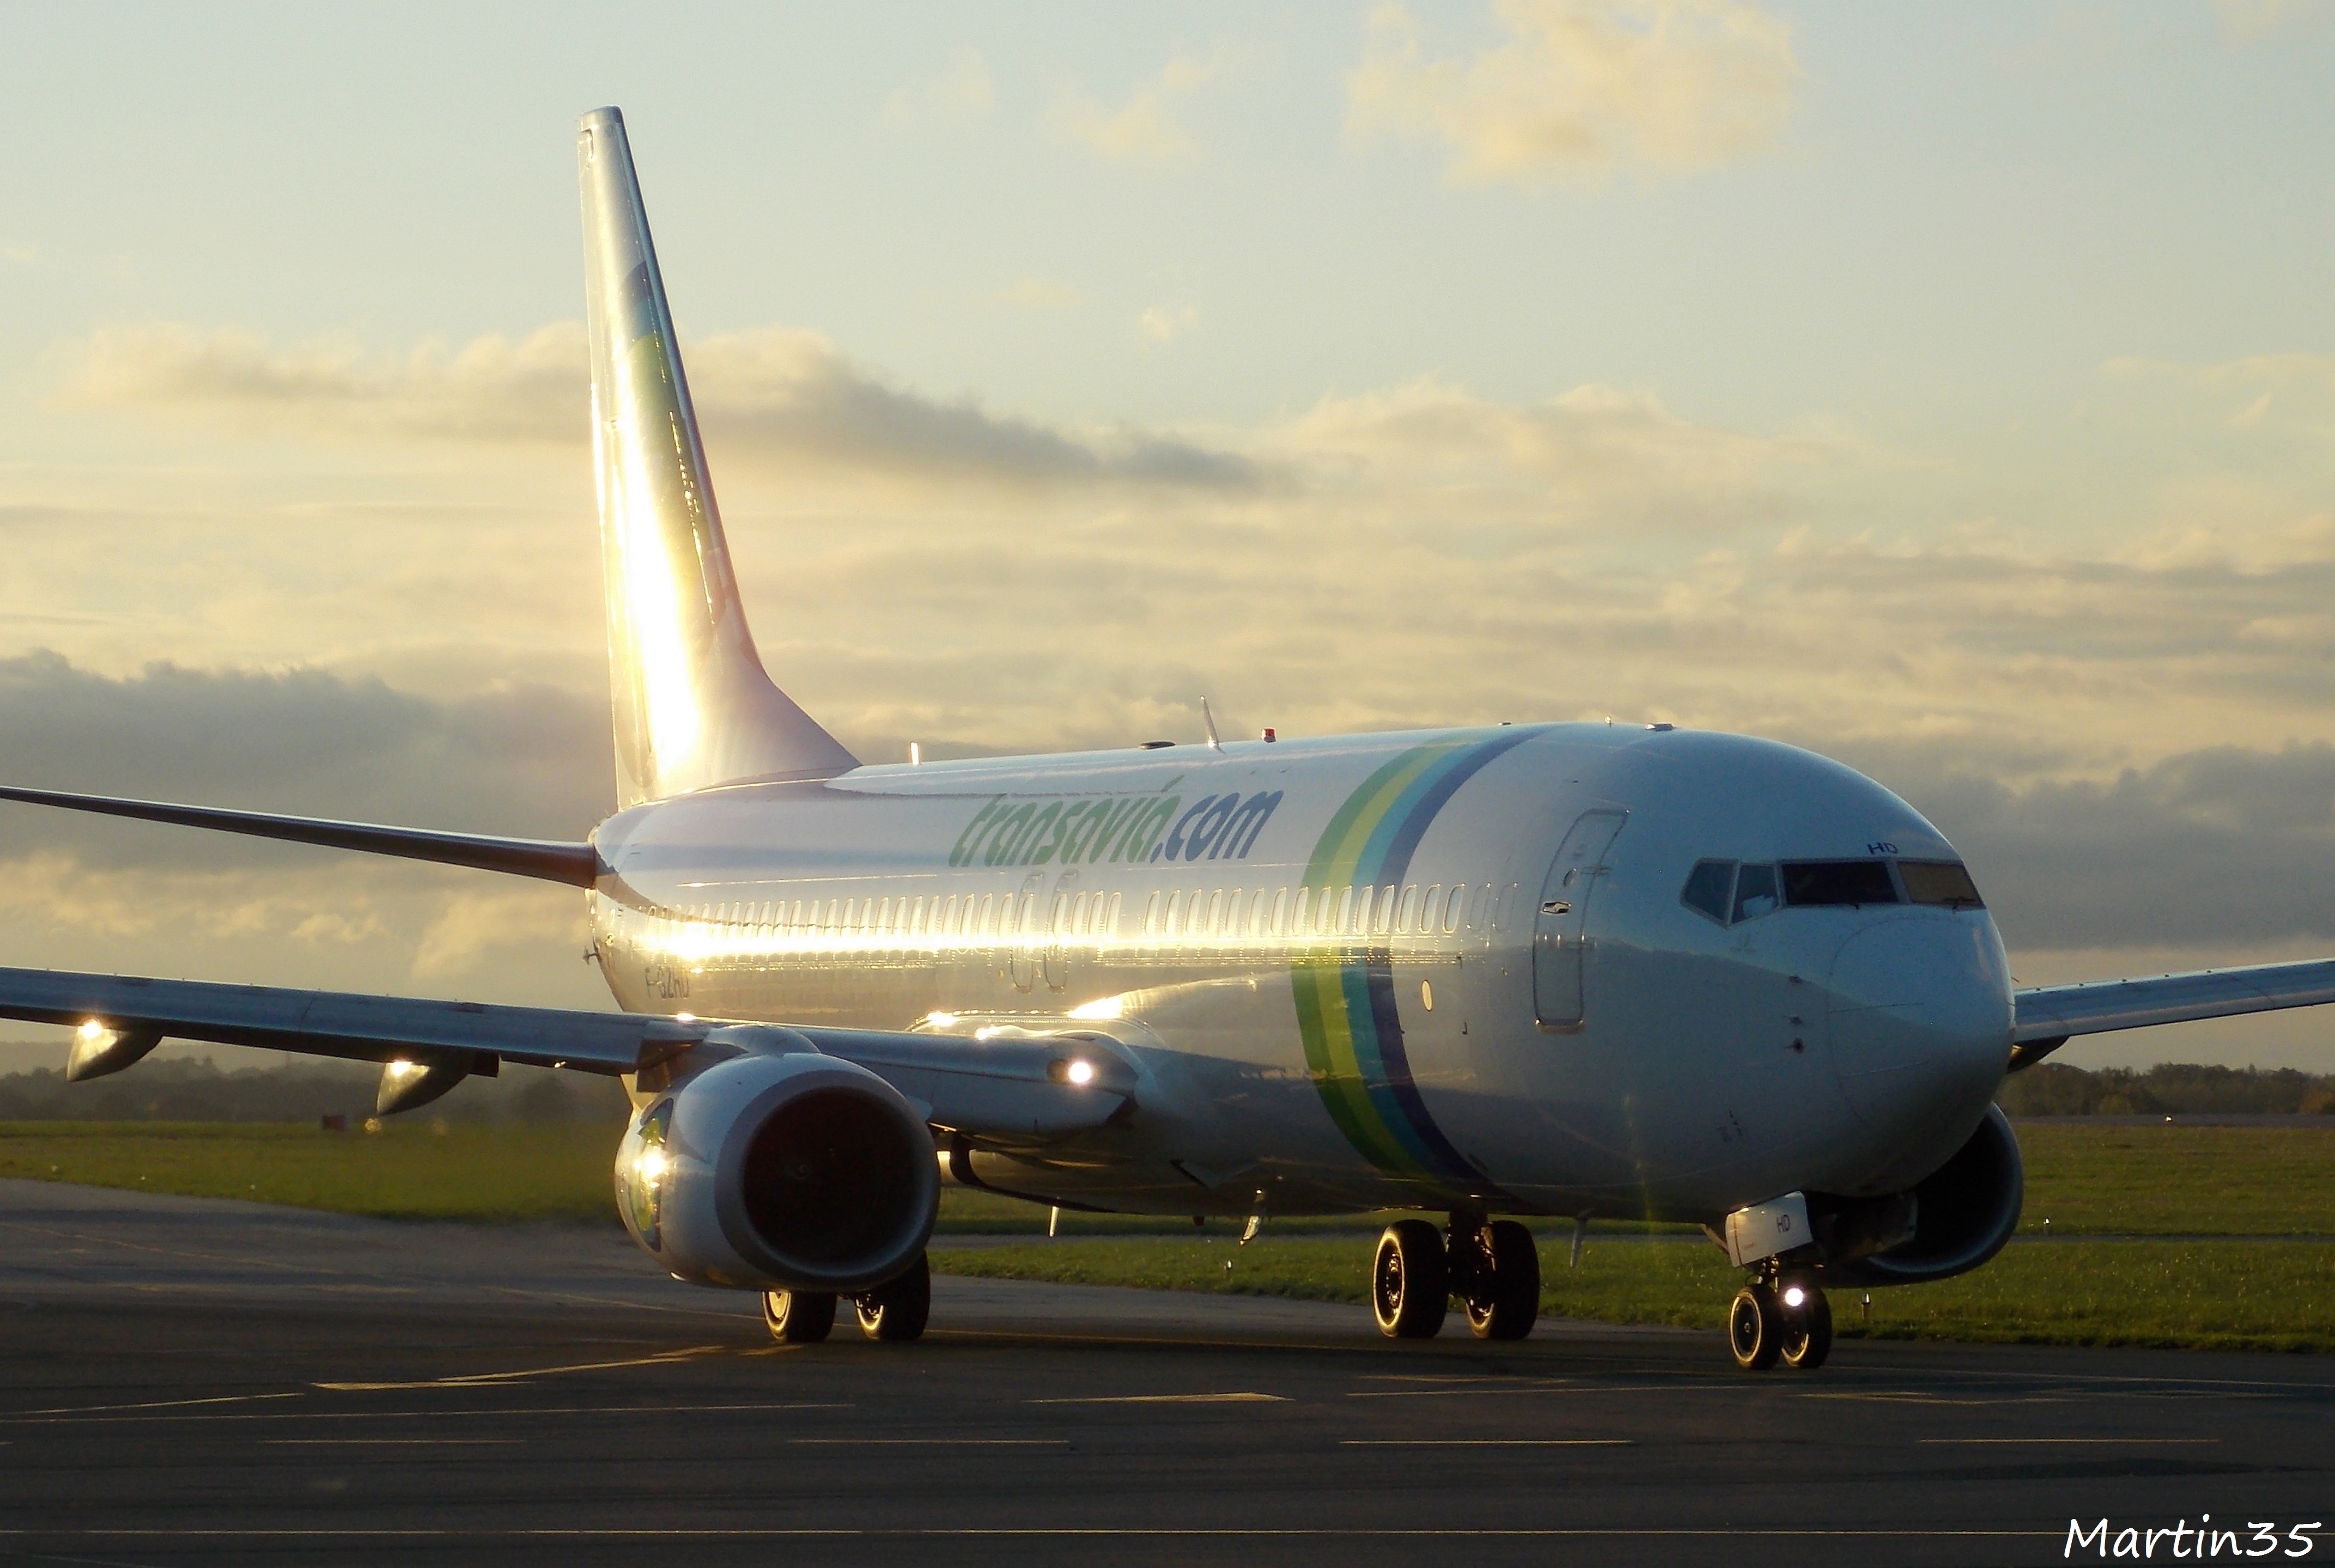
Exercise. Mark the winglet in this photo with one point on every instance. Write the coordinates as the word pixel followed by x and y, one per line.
pixel 694 706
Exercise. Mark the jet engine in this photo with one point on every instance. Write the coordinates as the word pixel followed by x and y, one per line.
pixel 1959 1216
pixel 795 1172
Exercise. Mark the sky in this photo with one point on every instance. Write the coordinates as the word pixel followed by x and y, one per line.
pixel 1948 390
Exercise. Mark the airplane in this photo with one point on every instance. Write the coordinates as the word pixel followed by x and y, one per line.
pixel 1489 974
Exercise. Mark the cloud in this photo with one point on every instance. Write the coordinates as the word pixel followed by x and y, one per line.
pixel 959 94
pixel 532 391
pixel 788 398
pixel 1161 323
pixel 775 396
pixel 1039 293
pixel 1144 129
pixel 21 254
pixel 1582 88
pixel 532 760
pixel 2223 848
pixel 94 893
pixel 2245 21
pixel 475 926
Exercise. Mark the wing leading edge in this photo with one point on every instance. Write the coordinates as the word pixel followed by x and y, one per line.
pixel 1007 1086
pixel 2048 1016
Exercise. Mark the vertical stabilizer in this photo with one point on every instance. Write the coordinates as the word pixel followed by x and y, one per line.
pixel 694 706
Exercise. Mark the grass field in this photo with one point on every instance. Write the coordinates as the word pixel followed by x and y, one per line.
pixel 406 1171
pixel 2258 1184
pixel 2220 1295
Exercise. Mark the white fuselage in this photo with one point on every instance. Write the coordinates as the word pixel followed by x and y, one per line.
pixel 1435 969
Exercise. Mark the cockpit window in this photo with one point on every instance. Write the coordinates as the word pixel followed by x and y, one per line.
pixel 1836 882
pixel 1755 892
pixel 1706 888
pixel 1944 882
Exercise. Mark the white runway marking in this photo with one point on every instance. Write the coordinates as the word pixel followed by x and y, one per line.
pixel 1167 1400
pixel 2159 1442
pixel 489 1379
pixel 1488 1443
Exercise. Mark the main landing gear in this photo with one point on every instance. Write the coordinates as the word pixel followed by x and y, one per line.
pixel 1492 1266
pixel 894 1311
pixel 1782 1317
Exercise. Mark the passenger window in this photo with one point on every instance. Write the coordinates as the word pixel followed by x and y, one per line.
pixel 1709 888
pixel 1079 913
pixel 1946 882
pixel 1175 912
pixel 1409 907
pixel 1107 923
pixel 1836 882
pixel 1279 910
pixel 1346 909
pixel 1151 914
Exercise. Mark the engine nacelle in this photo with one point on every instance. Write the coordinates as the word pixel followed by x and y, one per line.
pixel 1960 1214
pixel 792 1172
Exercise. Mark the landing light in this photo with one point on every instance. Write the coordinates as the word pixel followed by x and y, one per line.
pixel 91 1029
pixel 1794 1296
pixel 1081 1071
pixel 653 1165
pixel 403 1068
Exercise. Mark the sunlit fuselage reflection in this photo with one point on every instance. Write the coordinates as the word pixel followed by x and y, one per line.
pixel 1346 1003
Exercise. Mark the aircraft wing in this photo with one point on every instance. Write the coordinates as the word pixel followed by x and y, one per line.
pixel 1018 1086
pixel 2049 1015
pixel 576 864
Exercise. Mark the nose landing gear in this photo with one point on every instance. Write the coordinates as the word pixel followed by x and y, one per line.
pixel 1783 1317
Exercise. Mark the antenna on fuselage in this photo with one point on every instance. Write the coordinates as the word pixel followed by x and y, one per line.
pixel 1214 745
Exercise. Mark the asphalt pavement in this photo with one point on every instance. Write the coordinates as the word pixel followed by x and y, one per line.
pixel 191 1381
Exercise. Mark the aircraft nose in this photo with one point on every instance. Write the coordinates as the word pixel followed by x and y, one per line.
pixel 1921 1028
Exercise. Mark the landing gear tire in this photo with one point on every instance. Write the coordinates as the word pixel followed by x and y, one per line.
pixel 1808 1327
pixel 798 1317
pixel 1755 1328
pixel 1505 1296
pixel 1410 1282
pixel 897 1310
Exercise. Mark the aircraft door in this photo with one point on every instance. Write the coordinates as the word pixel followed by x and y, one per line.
pixel 1055 962
pixel 1561 922
pixel 1018 931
